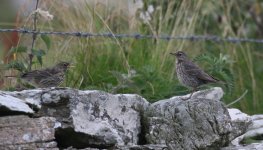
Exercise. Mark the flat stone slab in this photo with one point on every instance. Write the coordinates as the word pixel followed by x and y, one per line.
pixel 22 132
pixel 9 104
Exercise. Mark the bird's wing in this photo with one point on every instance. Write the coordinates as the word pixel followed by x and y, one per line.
pixel 196 71
pixel 51 81
pixel 36 74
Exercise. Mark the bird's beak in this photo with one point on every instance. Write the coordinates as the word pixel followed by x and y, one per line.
pixel 172 53
pixel 71 66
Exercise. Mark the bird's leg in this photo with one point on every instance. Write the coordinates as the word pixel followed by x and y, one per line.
pixel 192 92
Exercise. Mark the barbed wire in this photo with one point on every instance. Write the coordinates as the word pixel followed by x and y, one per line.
pixel 138 36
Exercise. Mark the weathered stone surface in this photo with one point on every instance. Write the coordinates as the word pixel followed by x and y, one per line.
pixel 22 132
pixel 32 146
pixel 215 93
pixel 250 128
pixel 143 147
pixel 112 118
pixel 129 147
pixel 72 148
pixel 197 123
pixel 31 97
pixel 91 118
pixel 253 146
pixel 254 131
pixel 74 119
pixel 11 105
pixel 240 122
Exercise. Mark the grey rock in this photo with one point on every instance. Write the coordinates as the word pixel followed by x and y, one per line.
pixel 72 148
pixel 99 120
pixel 128 147
pixel 115 116
pixel 197 123
pixel 32 146
pixel 31 97
pixel 11 105
pixel 90 117
pixel 215 93
pixel 22 132
pixel 240 123
pixel 143 147
pixel 252 146
pixel 254 129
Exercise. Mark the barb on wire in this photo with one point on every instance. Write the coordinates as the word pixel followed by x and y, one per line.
pixel 138 36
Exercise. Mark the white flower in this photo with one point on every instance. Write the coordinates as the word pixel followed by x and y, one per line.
pixel 45 14
pixel 132 73
pixel 150 9
pixel 145 16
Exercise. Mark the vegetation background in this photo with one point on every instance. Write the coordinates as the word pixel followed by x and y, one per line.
pixel 144 66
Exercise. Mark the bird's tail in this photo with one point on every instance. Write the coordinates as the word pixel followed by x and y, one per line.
pixel 215 80
pixel 10 76
pixel 221 82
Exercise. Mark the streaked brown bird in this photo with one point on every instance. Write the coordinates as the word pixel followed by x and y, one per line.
pixel 189 74
pixel 49 77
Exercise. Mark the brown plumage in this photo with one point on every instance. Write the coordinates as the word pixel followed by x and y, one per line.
pixel 49 77
pixel 189 74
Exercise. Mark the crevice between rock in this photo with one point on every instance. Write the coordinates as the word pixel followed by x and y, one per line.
pixel 67 137
pixel 142 134
pixel 6 112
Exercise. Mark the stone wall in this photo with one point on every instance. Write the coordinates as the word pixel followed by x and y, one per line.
pixel 64 118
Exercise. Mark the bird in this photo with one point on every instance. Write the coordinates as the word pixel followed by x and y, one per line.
pixel 49 77
pixel 190 74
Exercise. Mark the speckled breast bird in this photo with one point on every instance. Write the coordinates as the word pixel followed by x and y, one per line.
pixel 190 74
pixel 49 77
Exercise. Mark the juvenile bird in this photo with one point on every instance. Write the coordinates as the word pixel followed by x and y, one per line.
pixel 189 74
pixel 49 77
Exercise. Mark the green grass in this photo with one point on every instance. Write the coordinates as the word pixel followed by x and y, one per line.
pixel 144 66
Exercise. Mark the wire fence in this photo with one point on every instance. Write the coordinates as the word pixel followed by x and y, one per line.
pixel 138 36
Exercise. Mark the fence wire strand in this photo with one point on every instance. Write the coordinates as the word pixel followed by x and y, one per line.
pixel 138 36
